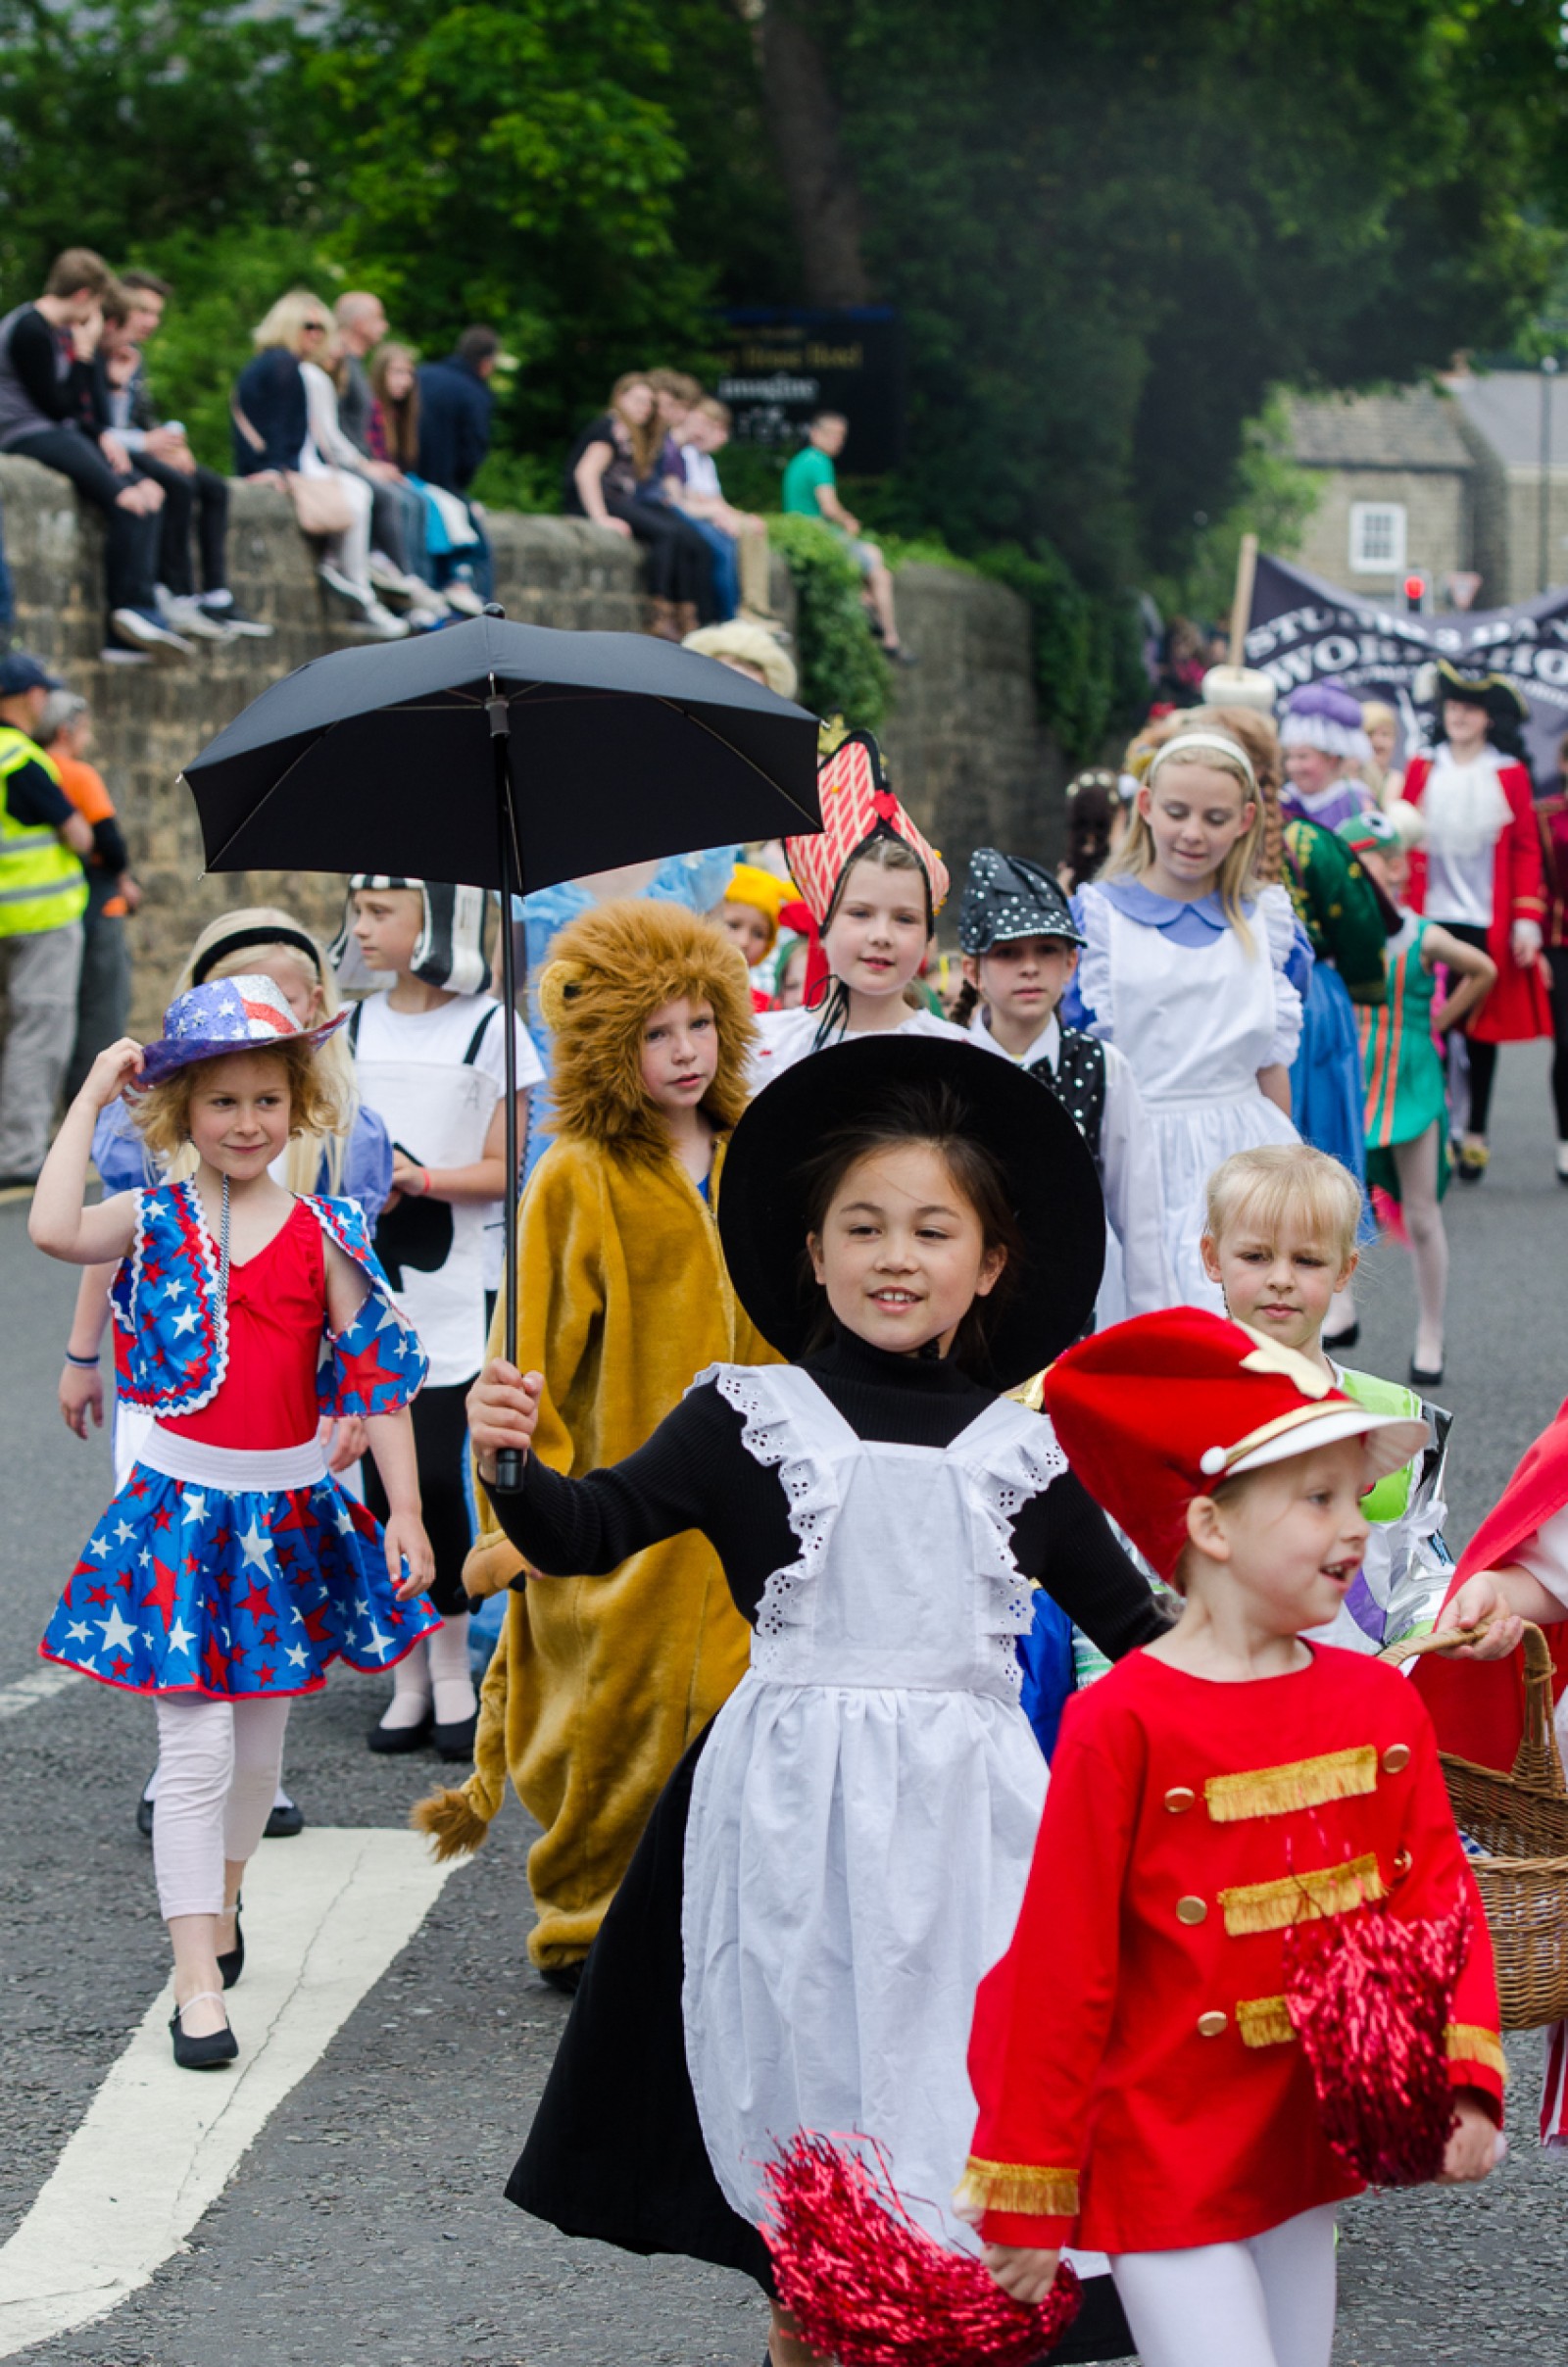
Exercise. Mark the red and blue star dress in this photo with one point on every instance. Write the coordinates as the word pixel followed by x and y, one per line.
pixel 231 1564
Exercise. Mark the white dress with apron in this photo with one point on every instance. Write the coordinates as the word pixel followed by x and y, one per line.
pixel 1197 1023
pixel 865 1812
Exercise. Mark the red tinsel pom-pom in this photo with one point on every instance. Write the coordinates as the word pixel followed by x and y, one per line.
pixel 1370 1995
pixel 869 2286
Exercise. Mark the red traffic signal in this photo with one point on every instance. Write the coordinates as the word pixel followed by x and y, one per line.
pixel 1417 591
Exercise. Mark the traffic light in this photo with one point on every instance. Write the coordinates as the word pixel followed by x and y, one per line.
pixel 1417 593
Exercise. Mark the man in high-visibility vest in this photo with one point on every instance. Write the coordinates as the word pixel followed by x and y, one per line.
pixel 43 894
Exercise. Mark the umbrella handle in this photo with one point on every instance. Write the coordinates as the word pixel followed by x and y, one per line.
pixel 508 1480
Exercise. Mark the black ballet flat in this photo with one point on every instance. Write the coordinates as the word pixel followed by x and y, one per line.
pixel 232 1964
pixel 285 1818
pixel 564 1977
pixel 144 1816
pixel 209 2054
pixel 1422 1378
pixel 395 1742
pixel 456 1742
pixel 1342 1339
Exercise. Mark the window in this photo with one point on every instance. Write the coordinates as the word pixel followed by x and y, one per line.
pixel 1377 538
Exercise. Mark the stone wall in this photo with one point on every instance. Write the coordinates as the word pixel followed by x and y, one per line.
pixel 1440 525
pixel 965 743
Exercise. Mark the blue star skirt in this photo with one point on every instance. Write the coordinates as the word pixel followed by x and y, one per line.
pixel 243 1576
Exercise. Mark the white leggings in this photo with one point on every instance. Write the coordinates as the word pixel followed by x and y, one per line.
pixel 1265 2303
pixel 218 1764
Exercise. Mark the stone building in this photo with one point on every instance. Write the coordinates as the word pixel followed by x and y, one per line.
pixel 1515 424
pixel 1396 488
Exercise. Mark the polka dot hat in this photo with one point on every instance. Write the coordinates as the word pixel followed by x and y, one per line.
pixel 1005 897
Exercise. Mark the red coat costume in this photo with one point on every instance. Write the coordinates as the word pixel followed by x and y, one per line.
pixel 1518 1007
pixel 1139 2086
pixel 1477 1706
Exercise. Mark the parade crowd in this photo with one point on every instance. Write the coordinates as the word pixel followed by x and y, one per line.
pixel 934 1615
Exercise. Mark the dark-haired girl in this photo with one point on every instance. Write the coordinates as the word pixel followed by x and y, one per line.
pixel 1479 874
pixel 840 1856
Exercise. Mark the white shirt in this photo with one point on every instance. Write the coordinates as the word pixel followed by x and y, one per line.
pixel 1466 809
pixel 1128 1163
pixel 701 471
pixel 787 1036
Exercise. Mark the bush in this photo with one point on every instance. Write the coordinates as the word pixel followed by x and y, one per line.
pixel 842 670
pixel 1089 669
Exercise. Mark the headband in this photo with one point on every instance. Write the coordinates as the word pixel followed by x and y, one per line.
pixel 231 944
pixel 1205 739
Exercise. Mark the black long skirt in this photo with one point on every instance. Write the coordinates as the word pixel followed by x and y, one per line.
pixel 616 2152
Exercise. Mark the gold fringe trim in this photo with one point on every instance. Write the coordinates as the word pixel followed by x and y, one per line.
pixel 1264 2022
pixel 1005 2186
pixel 1330 1890
pixel 1301 1783
pixel 1469 2042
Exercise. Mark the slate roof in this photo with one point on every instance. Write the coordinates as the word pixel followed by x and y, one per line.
pixel 1504 406
pixel 1412 428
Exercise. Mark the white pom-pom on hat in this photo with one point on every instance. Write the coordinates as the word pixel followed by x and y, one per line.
pixel 1212 1462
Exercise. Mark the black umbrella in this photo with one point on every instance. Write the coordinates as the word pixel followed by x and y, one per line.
pixel 508 757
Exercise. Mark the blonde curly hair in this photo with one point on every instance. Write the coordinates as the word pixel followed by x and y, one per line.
pixel 610 970
pixel 162 1114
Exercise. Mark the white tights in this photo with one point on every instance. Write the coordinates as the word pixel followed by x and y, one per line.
pixel 1266 2302
pixel 218 1764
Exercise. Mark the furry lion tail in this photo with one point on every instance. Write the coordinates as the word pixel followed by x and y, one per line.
pixel 448 1817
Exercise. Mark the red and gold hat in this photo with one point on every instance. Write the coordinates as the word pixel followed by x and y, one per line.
pixel 858 806
pixel 1155 1411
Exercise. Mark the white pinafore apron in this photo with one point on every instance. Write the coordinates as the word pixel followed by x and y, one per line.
pixel 440 1113
pixel 865 1814
pixel 1197 1023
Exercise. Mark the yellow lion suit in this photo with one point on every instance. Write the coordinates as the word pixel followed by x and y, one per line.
pixel 599 1684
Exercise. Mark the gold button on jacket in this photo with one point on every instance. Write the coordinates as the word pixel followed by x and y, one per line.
pixel 1210 2025
pixel 1191 1910
pixel 1179 1797
pixel 1396 1758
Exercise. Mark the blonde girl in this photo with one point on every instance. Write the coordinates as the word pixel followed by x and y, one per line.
pixel 1185 968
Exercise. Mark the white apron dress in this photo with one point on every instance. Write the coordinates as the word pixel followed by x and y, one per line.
pixel 1197 1023
pixel 865 1812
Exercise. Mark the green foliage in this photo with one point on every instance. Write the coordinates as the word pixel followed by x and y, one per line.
pixel 529 482
pixel 842 670
pixel 1088 666
pixel 1274 499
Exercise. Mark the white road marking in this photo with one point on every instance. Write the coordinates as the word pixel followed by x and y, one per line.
pixel 326 1915
pixel 40 1686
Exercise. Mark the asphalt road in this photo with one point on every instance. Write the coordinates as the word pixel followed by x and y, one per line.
pixel 366 2222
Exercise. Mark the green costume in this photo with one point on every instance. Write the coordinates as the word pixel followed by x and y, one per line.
pixel 1404 1085
pixel 1337 906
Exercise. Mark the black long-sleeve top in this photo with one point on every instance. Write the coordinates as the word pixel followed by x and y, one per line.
pixel 696 1473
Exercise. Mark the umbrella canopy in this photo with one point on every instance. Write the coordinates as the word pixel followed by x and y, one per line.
pixel 618 747
pixel 509 757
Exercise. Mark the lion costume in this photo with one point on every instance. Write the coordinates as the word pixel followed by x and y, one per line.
pixel 597 1685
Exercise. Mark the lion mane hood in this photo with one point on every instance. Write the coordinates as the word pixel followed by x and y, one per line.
pixel 609 971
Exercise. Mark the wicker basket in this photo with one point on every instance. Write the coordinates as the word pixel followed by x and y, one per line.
pixel 1522 1820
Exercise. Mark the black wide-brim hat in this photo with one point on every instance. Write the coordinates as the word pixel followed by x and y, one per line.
pixel 1054 1189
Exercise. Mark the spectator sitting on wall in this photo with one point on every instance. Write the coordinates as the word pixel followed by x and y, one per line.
pixel 132 315
pixel 103 992
pixel 48 414
pixel 398 518
pixel 43 894
pixel 272 443
pixel 455 408
pixel 675 392
pixel 448 531
pixel 394 508
pixel 737 539
pixel 614 456
pixel 811 490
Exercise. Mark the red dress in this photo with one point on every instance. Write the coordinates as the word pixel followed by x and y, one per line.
pixel 1139 2086
pixel 276 1303
pixel 1517 1008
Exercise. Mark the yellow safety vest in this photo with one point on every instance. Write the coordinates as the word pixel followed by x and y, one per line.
pixel 42 885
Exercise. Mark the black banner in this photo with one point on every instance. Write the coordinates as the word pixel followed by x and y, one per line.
pixel 777 367
pixel 1306 630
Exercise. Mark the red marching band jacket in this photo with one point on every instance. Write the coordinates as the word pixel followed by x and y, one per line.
pixel 1477 1706
pixel 1518 1007
pixel 1139 2085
